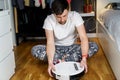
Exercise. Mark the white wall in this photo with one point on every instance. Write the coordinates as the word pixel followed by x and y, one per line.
pixel 102 3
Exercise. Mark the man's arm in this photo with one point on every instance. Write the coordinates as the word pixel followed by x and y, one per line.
pixel 83 38
pixel 50 49
pixel 84 44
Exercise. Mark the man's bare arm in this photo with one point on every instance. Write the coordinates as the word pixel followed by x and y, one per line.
pixel 50 48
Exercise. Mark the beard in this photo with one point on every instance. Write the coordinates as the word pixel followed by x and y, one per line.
pixel 62 22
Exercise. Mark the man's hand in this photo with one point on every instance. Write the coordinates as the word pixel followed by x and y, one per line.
pixel 84 63
pixel 50 68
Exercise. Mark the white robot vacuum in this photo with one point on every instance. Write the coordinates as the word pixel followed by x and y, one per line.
pixel 68 71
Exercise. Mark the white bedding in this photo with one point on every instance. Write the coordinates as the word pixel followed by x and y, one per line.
pixel 111 20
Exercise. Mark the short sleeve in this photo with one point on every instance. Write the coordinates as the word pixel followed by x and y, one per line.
pixel 47 25
pixel 77 19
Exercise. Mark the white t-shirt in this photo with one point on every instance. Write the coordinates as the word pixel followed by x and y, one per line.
pixel 66 34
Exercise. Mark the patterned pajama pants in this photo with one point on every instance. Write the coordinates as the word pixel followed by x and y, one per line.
pixel 64 53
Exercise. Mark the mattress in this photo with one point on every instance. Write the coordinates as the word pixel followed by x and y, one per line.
pixel 111 19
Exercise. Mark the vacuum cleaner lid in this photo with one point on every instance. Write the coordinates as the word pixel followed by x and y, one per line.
pixel 68 68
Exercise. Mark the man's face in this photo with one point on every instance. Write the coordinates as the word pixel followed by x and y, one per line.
pixel 63 17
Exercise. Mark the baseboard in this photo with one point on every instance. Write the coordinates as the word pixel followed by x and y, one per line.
pixel 91 35
pixel 35 37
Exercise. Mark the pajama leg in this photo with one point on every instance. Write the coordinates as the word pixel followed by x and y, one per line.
pixel 66 53
pixel 73 52
pixel 39 51
pixel 93 48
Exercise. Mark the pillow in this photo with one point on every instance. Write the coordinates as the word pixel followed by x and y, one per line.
pixel 115 6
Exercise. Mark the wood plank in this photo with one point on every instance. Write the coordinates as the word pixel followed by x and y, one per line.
pixel 30 68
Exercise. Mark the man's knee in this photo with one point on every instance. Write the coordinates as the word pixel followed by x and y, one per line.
pixel 39 51
pixel 93 48
pixel 34 51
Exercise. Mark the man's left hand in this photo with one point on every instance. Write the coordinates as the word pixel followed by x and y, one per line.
pixel 84 63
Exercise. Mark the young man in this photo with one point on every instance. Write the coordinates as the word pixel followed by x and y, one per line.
pixel 62 28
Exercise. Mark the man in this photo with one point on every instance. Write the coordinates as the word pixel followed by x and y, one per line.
pixel 62 28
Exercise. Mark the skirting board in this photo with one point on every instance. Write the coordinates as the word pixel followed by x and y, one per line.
pixel 91 35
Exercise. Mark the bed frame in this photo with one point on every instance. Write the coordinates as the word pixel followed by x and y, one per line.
pixel 109 47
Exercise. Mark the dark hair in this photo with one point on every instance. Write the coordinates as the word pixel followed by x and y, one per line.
pixel 58 6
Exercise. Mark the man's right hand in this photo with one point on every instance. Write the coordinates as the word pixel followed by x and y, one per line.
pixel 50 68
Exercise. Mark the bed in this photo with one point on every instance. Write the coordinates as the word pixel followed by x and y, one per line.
pixel 108 23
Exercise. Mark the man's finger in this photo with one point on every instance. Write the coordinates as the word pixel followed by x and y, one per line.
pixel 50 73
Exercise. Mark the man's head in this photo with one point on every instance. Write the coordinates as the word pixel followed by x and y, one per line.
pixel 60 9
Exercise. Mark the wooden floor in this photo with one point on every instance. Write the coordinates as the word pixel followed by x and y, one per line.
pixel 30 68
